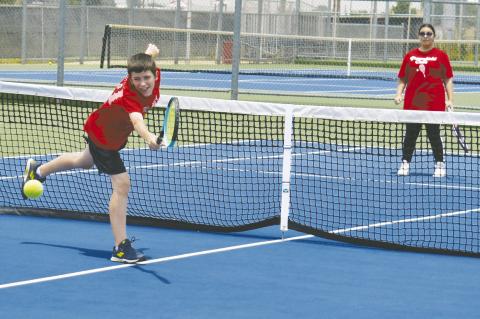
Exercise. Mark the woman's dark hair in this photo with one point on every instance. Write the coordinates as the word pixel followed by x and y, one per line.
pixel 428 25
pixel 141 62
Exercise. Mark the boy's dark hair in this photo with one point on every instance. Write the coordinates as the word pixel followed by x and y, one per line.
pixel 428 25
pixel 141 62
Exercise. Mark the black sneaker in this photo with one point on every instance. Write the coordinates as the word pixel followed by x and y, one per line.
pixel 31 173
pixel 126 253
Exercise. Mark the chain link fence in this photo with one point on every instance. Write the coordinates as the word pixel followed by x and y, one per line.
pixel 28 29
pixel 288 38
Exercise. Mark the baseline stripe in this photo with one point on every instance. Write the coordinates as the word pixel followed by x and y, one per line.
pixel 148 262
pixel 231 248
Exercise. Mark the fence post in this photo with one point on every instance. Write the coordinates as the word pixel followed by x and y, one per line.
pixel 427 11
pixel 24 31
pixel 259 49
pixel 219 28
pixel 61 42
pixel 175 34
pixel 349 57
pixel 385 36
pixel 477 34
pixel 236 49
pixel 373 31
pixel 131 21
pixel 83 30
pixel 189 26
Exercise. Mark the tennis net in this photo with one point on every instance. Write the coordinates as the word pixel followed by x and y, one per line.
pixel 327 171
pixel 195 50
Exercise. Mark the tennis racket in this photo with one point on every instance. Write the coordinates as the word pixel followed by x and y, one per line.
pixel 171 122
pixel 457 132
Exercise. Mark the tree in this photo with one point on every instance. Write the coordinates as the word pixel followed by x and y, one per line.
pixel 10 2
pixel 402 7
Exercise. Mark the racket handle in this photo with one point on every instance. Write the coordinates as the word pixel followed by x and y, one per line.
pixel 160 138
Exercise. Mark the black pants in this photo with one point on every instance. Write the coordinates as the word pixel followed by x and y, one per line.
pixel 411 135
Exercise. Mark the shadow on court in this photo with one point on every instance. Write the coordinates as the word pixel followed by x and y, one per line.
pixel 102 254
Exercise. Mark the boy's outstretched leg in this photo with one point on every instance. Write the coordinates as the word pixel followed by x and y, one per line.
pixel 63 162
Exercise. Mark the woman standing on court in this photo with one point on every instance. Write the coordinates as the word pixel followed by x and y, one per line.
pixel 427 75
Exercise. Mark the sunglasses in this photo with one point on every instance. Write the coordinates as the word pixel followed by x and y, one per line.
pixel 425 34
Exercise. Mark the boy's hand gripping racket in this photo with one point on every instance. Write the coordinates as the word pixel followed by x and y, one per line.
pixel 171 121
pixel 459 135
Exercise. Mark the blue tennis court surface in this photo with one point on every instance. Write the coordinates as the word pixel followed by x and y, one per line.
pixel 183 174
pixel 309 278
pixel 56 268
pixel 221 81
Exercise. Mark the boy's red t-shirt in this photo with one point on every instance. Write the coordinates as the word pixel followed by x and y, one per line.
pixel 109 126
pixel 425 73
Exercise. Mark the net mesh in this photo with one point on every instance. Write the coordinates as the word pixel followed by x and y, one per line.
pixel 285 55
pixel 226 173
pixel 335 71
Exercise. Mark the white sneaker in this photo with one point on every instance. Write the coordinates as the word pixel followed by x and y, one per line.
pixel 404 169
pixel 440 170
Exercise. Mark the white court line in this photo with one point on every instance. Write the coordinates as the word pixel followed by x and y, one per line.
pixel 70 172
pixel 201 164
pixel 231 248
pixel 152 261
pixel 353 91
pixel 341 89
pixel 403 221
pixel 304 79
pixel 191 163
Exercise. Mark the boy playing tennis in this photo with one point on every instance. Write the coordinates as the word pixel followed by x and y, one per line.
pixel 108 129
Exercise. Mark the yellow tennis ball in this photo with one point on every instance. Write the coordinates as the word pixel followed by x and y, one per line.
pixel 33 189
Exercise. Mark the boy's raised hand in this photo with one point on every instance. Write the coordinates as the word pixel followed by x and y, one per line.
pixel 152 50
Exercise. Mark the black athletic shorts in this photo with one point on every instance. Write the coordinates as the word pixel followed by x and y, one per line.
pixel 108 162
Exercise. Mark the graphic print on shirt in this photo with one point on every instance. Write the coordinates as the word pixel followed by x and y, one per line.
pixel 115 96
pixel 421 62
pixel 421 68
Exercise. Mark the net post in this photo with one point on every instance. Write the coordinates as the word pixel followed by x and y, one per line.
pixel 105 42
pixel 104 45
pixel 286 169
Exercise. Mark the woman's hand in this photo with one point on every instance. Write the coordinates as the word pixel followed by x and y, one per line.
pixel 398 99
pixel 449 105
